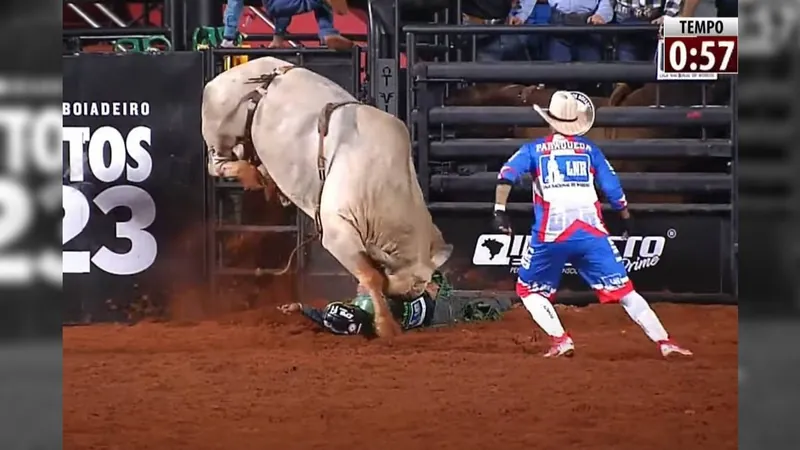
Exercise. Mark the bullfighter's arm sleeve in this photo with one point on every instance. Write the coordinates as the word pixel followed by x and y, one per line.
pixel 516 166
pixel 608 181
pixel 315 315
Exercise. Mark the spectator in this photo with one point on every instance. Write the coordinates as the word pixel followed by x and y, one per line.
pixel 531 12
pixel 589 48
pixel 538 44
pixel 509 47
pixel 282 11
pixel 637 47
pixel 233 13
pixel 487 12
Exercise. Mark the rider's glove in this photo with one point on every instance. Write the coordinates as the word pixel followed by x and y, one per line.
pixel 501 222
pixel 628 227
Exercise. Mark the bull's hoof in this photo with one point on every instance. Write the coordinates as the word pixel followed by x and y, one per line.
pixel 248 175
pixel 387 328
pixel 242 171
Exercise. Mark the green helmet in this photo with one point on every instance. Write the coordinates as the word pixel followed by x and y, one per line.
pixel 364 301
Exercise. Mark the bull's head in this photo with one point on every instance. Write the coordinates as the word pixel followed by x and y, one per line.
pixel 408 279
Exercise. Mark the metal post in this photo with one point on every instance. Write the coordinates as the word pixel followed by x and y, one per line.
pixel 200 13
pixel 423 142
pixel 459 53
pixel 411 58
pixel 373 53
pixel 209 12
pixel 735 187
pixel 174 21
pixel 397 29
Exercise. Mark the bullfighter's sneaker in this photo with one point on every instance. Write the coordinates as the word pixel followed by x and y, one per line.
pixel 670 349
pixel 562 346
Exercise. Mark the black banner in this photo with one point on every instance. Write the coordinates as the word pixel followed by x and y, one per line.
pixel 671 253
pixel 133 183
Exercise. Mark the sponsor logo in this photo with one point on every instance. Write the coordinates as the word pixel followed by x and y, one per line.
pixel 636 252
pixel 118 161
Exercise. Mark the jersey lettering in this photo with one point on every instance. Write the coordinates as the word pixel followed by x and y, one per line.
pixel 558 222
pixel 568 170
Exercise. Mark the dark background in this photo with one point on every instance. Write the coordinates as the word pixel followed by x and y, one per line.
pixel 30 318
pixel 769 394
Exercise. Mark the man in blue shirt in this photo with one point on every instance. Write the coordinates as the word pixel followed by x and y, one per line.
pixel 589 48
pixel 568 226
pixel 531 12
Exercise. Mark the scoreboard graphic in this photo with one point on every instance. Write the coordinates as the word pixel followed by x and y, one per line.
pixel 698 48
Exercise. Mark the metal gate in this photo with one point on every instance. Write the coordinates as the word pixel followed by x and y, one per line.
pixel 686 250
pixel 268 232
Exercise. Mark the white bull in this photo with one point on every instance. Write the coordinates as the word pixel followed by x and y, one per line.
pixel 373 216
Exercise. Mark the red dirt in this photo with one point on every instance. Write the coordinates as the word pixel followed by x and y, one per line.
pixel 257 380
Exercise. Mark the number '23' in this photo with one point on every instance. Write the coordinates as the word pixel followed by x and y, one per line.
pixel 143 249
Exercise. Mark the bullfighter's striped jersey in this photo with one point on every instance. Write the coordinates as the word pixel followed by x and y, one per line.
pixel 564 171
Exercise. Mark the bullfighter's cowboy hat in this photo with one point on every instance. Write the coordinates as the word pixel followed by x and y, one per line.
pixel 570 113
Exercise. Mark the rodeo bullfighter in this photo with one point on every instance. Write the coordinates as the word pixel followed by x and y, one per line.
pixel 347 165
pixel 568 224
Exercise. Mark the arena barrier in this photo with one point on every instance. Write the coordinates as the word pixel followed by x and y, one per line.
pixel 684 251
pixel 133 184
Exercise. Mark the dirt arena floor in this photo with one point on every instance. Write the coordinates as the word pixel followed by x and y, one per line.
pixel 258 380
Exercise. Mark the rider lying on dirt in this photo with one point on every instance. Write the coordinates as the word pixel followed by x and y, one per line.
pixel 435 307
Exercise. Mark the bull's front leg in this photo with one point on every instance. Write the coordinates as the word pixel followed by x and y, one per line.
pixel 246 173
pixel 373 281
pixel 343 241
pixel 222 162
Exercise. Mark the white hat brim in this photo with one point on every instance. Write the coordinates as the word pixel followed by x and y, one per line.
pixel 573 128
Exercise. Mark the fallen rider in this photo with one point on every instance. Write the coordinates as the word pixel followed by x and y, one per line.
pixel 436 307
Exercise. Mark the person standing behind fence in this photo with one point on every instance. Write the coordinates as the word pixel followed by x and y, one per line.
pixel 529 12
pixel 578 47
pixel 641 47
pixel 489 48
pixel 282 11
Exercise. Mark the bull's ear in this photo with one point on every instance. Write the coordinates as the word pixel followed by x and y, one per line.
pixel 440 255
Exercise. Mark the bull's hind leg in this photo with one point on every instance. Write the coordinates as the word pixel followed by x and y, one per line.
pixel 344 242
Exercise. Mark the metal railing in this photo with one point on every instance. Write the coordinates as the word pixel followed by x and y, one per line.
pixel 122 35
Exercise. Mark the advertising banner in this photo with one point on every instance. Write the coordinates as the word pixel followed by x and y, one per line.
pixel 133 182
pixel 676 254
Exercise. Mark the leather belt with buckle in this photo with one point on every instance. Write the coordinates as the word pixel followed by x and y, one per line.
pixel 466 18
